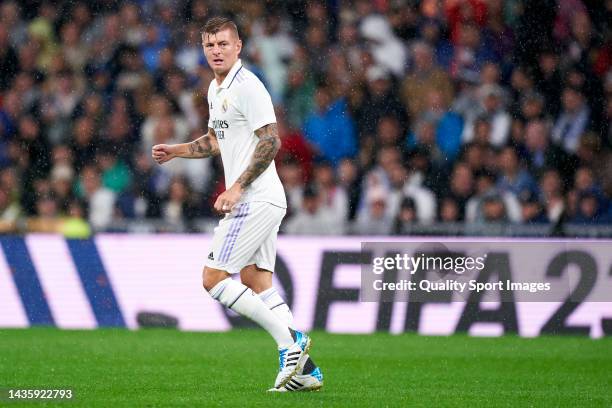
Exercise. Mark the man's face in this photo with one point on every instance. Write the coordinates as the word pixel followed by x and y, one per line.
pixel 423 58
pixel 508 160
pixel 530 210
pixel 536 138
pixel 310 204
pixel 494 210
pixel 572 100
pixel 221 50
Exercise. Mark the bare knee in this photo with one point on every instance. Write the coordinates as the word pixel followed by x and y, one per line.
pixel 211 276
pixel 256 279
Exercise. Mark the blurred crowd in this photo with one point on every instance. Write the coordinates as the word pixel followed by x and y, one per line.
pixel 391 112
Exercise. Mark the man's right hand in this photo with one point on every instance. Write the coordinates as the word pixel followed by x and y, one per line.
pixel 162 153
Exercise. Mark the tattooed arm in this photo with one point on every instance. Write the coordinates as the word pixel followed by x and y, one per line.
pixel 264 153
pixel 205 146
pixel 266 149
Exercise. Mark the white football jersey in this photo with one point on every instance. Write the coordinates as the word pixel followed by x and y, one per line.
pixel 238 107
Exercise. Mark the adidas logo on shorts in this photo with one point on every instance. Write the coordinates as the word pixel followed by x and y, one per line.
pixel 211 256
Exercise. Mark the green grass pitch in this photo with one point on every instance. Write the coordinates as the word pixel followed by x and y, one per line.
pixel 166 368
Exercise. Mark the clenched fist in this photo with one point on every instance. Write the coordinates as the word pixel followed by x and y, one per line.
pixel 162 153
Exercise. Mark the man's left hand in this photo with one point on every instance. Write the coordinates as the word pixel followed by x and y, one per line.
pixel 227 200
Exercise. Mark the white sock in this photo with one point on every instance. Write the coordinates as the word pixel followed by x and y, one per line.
pixel 234 295
pixel 277 304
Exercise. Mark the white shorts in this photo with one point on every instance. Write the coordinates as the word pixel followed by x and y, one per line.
pixel 246 236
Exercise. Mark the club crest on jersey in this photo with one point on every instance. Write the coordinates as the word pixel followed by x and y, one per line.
pixel 224 106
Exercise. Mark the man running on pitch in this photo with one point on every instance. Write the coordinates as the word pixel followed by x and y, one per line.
pixel 242 129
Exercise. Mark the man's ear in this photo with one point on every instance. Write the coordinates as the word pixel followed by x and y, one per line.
pixel 239 46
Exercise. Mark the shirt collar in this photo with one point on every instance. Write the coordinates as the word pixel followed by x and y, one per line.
pixel 231 75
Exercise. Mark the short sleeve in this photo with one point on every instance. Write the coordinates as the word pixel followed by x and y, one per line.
pixel 210 107
pixel 256 105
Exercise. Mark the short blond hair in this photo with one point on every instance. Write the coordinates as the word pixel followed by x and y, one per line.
pixel 216 24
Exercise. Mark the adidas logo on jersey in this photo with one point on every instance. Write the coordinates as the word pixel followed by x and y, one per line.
pixel 211 256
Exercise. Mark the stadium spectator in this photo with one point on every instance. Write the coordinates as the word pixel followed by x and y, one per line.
pixel 405 185
pixel 551 188
pixel 179 207
pixel 472 50
pixel 116 175
pixel 143 199
pixel 292 177
pixel 497 33
pixel 46 218
pixel 591 154
pixel 380 100
pixel 388 133
pixel 329 128
pixel 312 218
pixel 349 181
pixel 590 210
pixel 173 127
pixel 461 187
pixel 386 49
pixel 449 210
pixel 573 121
pixel 58 104
pixel 100 200
pixel 84 142
pixel 447 127
pixel 585 183
pixel 492 111
pixel 73 224
pixel 458 12
pixel 189 55
pixel 275 47
pixel 9 65
pixel 10 18
pixel 548 79
pixel 87 87
pixel 375 219
pixel 134 30
pixel 532 211
pixel 10 183
pixel 532 106
pixel 423 78
pixel 9 213
pixel 521 84
pixel 333 198
pixel 494 209
pixel 350 45
pixel 431 32
pixel 294 147
pixel 62 174
pixel 486 191
pixel 299 91
pixel 378 177
pixel 466 103
pixel 512 177
pixel 543 154
pixel 425 139
pixel 406 217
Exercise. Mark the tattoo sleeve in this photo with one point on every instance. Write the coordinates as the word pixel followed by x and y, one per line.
pixel 266 149
pixel 205 146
